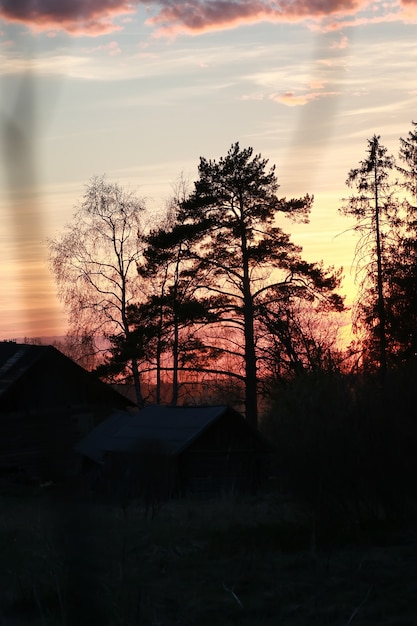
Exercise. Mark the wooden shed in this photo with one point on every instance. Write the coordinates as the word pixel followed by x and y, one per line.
pixel 47 402
pixel 187 450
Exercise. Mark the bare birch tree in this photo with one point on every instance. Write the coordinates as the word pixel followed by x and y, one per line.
pixel 95 266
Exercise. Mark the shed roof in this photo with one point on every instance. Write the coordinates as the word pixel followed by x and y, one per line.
pixel 175 428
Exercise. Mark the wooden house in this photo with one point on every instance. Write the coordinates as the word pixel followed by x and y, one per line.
pixel 186 450
pixel 47 403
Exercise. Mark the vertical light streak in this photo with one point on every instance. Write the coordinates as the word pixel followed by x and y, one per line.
pixel 19 139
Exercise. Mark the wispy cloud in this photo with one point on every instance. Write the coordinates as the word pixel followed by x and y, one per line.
pixel 340 44
pixel 112 49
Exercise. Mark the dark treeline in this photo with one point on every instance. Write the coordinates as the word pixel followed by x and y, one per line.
pixel 215 303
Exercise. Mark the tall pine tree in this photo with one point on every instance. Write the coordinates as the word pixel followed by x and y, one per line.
pixel 374 208
pixel 242 255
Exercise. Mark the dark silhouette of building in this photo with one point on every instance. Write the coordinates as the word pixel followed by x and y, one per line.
pixel 47 403
pixel 186 450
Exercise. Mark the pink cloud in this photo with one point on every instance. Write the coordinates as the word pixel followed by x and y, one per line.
pixel 170 17
pixel 410 7
pixel 90 17
pixel 321 8
pixel 204 15
pixel 316 84
pixel 291 99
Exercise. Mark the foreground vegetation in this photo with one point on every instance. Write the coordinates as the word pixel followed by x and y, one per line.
pixel 254 560
pixel 331 539
pixel 345 445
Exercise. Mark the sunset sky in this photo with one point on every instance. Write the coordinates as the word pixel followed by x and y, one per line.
pixel 140 90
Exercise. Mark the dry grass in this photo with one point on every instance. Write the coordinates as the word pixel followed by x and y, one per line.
pixel 244 561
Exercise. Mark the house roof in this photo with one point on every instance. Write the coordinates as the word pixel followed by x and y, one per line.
pixel 15 360
pixel 175 428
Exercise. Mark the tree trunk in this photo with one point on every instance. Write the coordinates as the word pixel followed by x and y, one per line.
pixel 136 380
pixel 176 343
pixel 175 359
pixel 251 400
pixel 381 300
pixel 158 358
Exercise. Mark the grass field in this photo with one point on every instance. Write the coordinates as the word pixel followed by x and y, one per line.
pixel 234 561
